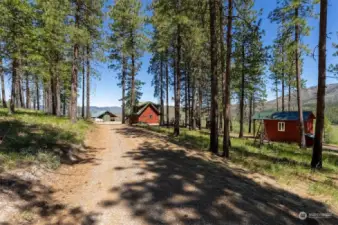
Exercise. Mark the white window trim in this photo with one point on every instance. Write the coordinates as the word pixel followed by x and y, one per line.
pixel 281 126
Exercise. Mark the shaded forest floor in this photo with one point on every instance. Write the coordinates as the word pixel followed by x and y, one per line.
pixel 31 137
pixel 286 163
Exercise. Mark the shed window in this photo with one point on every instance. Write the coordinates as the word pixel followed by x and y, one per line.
pixel 150 116
pixel 281 126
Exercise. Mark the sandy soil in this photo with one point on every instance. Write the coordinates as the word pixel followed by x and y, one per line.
pixel 132 176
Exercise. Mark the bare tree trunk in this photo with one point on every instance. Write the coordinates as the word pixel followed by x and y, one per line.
pixel 58 95
pixel 3 90
pixel 299 87
pixel 133 74
pixel 277 96
pixel 14 82
pixel 52 93
pixel 214 80
pixel 193 104
pixel 316 161
pixel 241 103
pixel 21 100
pixel 186 101
pixel 37 91
pixel 124 76
pixel 167 87
pixel 161 93
pixel 28 98
pixel 253 113
pixel 250 112
pixel 283 81
pixel 200 100
pixel 83 84
pixel 289 100
pixel 226 133
pixel 88 83
pixel 73 95
pixel 178 77
pixel 49 99
pixel 222 59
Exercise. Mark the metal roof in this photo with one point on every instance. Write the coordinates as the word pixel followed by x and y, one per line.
pixel 271 115
pixel 290 115
pixel 262 115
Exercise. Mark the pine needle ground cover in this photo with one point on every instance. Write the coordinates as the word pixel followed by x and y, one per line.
pixel 286 163
pixel 31 137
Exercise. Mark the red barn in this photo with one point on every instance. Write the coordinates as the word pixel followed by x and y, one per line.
pixel 284 127
pixel 146 113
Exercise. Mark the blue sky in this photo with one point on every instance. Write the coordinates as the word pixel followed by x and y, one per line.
pixel 105 92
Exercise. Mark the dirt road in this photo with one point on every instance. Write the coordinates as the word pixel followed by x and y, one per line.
pixel 132 176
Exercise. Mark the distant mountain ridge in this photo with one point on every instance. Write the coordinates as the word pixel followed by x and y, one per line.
pixel 96 110
pixel 309 97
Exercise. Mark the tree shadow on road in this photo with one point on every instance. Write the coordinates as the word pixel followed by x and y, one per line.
pixel 37 203
pixel 182 188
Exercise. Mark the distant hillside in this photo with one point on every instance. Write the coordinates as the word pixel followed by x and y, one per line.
pixel 309 97
pixel 310 100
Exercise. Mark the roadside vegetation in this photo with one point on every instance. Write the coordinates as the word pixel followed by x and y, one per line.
pixel 33 137
pixel 286 163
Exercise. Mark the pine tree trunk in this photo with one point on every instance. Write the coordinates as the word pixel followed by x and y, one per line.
pixel 241 103
pixel 316 161
pixel 88 83
pixel 200 100
pixel 283 85
pixel 28 98
pixel 222 58
pixel 3 90
pixel 133 74
pixel 277 101
pixel 289 100
pixel 37 91
pixel 226 133
pixel 167 88
pixel 253 113
pixel 299 87
pixel 14 82
pixel 83 85
pixel 58 95
pixel 124 76
pixel 178 78
pixel 50 99
pixel 73 93
pixel 21 100
pixel 214 80
pixel 186 108
pixel 250 112
pixel 161 93
pixel 193 104
pixel 52 91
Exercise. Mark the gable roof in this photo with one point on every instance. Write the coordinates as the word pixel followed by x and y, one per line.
pixel 145 105
pixel 293 115
pixel 106 112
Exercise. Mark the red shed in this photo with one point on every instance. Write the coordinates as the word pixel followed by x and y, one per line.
pixel 284 127
pixel 146 113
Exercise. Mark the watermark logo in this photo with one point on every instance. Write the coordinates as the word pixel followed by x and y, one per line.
pixel 302 215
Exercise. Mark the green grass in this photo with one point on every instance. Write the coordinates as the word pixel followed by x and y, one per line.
pixel 334 135
pixel 34 137
pixel 287 163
